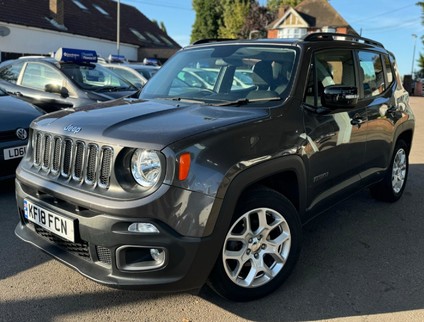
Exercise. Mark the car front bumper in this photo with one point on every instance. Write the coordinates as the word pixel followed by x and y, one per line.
pixel 106 252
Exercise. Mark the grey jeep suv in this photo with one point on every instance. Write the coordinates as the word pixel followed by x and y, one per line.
pixel 188 184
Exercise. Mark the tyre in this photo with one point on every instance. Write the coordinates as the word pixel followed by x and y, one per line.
pixel 392 186
pixel 260 248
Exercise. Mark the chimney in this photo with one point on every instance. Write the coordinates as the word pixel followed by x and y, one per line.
pixel 282 10
pixel 57 11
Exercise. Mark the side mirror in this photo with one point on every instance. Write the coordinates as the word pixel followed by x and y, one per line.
pixel 339 96
pixel 56 89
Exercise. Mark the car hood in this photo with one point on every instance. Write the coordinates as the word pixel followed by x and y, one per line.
pixel 15 113
pixel 148 124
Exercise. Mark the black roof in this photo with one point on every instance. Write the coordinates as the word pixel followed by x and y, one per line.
pixel 89 22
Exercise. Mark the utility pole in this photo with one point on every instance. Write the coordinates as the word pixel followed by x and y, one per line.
pixel 413 55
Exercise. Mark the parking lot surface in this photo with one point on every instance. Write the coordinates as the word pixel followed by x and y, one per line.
pixel 361 261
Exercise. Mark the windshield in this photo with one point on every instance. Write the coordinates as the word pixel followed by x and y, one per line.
pixel 224 74
pixel 94 77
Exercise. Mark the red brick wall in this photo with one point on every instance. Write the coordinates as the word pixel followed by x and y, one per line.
pixel 273 33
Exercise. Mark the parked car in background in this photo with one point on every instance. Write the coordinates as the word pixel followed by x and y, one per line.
pixel 15 117
pixel 71 79
pixel 137 74
pixel 206 78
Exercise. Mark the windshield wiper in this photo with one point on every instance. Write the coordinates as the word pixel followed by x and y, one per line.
pixel 112 89
pixel 181 99
pixel 245 101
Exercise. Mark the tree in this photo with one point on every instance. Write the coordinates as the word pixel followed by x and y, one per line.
pixel 420 60
pixel 207 21
pixel 274 5
pixel 233 18
pixel 160 25
pixel 256 21
pixel 234 13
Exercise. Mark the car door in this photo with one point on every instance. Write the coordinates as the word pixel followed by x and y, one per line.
pixel 41 85
pixel 383 108
pixel 336 137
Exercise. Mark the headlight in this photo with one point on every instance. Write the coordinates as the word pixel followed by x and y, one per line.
pixel 146 167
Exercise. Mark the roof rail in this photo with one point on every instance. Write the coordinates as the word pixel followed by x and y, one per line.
pixel 208 40
pixel 337 36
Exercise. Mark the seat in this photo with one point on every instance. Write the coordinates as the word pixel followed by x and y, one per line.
pixel 75 75
pixel 348 77
pixel 262 75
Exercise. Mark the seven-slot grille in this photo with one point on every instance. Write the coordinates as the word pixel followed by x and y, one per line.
pixel 73 159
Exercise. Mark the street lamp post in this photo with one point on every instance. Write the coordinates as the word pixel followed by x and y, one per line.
pixel 413 55
pixel 118 23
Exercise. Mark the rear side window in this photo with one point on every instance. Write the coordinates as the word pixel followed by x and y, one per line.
pixel 372 73
pixel 11 73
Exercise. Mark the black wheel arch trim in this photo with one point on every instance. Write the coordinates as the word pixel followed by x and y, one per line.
pixel 230 193
pixel 224 207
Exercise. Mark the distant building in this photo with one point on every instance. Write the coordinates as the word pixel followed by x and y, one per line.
pixel 38 27
pixel 308 17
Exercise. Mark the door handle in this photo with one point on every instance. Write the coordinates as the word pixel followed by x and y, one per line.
pixel 18 94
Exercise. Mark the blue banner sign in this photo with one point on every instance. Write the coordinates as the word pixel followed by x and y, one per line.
pixel 116 58
pixel 76 55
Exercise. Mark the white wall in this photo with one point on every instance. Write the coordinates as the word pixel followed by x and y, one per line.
pixel 38 41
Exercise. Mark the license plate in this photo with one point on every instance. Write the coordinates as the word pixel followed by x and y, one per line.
pixel 57 224
pixel 13 153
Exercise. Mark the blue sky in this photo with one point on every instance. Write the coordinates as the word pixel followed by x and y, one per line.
pixel 392 22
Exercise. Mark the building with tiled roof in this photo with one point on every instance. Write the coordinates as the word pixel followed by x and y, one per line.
pixel 307 17
pixel 42 26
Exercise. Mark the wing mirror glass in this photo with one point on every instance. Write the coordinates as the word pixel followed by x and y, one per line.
pixel 57 89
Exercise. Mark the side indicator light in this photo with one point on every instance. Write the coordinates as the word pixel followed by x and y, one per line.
pixel 184 166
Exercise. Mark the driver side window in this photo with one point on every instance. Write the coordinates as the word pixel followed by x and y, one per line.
pixel 329 67
pixel 37 76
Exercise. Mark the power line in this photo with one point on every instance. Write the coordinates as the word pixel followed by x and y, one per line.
pixel 382 14
pixel 390 28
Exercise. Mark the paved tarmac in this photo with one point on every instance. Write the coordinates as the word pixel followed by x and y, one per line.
pixel 361 261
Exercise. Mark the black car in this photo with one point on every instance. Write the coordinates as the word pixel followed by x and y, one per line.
pixel 189 184
pixel 15 117
pixel 71 79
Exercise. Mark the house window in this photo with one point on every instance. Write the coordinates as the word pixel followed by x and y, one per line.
pixel 80 5
pixel 292 32
pixel 153 37
pixel 101 10
pixel 138 34
pixel 328 29
pixel 167 41
pixel 56 24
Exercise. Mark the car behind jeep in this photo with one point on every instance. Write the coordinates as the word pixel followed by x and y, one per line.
pixel 187 184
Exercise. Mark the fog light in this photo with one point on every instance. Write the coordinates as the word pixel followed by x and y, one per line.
pixel 141 227
pixel 134 258
pixel 158 255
